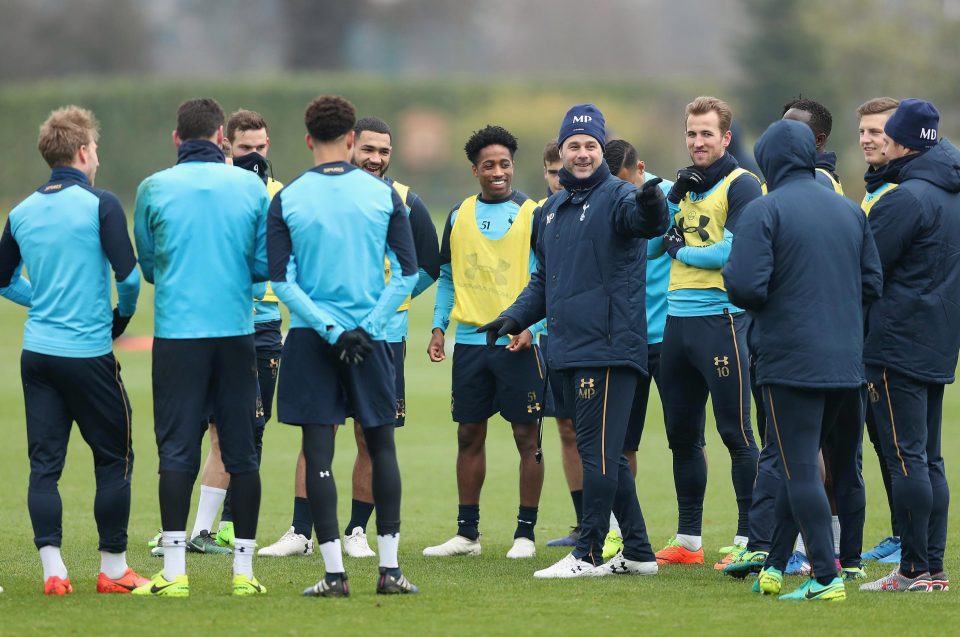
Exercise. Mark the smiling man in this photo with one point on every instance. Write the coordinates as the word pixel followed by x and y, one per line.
pixel 487 256
pixel 704 341
pixel 590 252
pixel 873 114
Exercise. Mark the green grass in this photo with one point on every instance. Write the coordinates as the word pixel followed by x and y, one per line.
pixel 487 595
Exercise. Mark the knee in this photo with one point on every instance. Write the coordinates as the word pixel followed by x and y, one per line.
pixel 525 436
pixel 568 434
pixel 470 439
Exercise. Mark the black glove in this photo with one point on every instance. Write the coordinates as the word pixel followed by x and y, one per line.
pixel 500 326
pixel 119 323
pixel 687 179
pixel 353 346
pixel 673 241
pixel 650 196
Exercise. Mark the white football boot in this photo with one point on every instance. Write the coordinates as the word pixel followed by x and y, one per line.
pixel 457 545
pixel 290 543
pixel 355 544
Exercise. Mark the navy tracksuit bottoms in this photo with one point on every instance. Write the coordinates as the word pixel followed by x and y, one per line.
pixel 58 391
pixel 706 356
pixel 798 420
pixel 603 398
pixel 908 416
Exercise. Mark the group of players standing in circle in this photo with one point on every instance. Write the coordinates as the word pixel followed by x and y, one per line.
pixel 567 307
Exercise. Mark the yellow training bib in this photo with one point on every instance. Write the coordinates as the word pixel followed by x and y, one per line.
pixel 702 222
pixel 871 198
pixel 488 274
pixel 403 191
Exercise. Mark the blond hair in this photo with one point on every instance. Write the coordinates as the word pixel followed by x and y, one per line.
pixel 704 104
pixel 65 131
pixel 877 106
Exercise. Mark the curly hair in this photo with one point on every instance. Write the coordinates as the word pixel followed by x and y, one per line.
pixel 329 117
pixel 821 121
pixel 488 136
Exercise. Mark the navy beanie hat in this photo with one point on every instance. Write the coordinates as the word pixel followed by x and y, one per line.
pixel 583 119
pixel 914 124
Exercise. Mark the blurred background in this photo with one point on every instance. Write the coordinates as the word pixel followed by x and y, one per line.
pixel 437 70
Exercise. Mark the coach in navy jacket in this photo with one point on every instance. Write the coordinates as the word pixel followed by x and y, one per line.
pixel 805 263
pixel 913 334
pixel 589 283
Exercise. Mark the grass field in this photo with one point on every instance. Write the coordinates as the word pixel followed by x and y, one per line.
pixel 487 595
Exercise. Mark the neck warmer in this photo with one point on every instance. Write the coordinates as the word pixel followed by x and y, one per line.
pixel 571 183
pixel 199 150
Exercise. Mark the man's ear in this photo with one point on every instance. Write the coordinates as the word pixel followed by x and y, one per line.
pixel 176 139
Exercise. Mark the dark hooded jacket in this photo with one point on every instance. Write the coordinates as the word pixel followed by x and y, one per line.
pixel 915 328
pixel 590 277
pixel 805 264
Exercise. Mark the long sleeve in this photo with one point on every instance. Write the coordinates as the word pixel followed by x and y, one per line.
pixel 403 261
pixel 531 306
pixel 632 220
pixel 748 272
pixel 871 270
pixel 893 231
pixel 12 286
pixel 443 305
pixel 142 232
pixel 743 190
pixel 261 270
pixel 283 277
pixel 116 245
pixel 709 257
pixel 425 242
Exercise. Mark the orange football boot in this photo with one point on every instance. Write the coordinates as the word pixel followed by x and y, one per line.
pixel 56 586
pixel 130 580
pixel 673 553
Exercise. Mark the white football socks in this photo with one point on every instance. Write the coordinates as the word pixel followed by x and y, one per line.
pixel 388 545
pixel 799 547
pixel 211 499
pixel 836 535
pixel 614 524
pixel 113 565
pixel 333 556
pixel 243 557
pixel 52 562
pixel 174 554
pixel 740 540
pixel 690 542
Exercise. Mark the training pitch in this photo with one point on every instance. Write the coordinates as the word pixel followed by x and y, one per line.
pixel 486 595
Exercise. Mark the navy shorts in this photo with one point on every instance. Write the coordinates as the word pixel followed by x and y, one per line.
pixel 641 398
pixel 317 388
pixel 194 377
pixel 399 357
pixel 269 344
pixel 554 405
pixel 487 380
